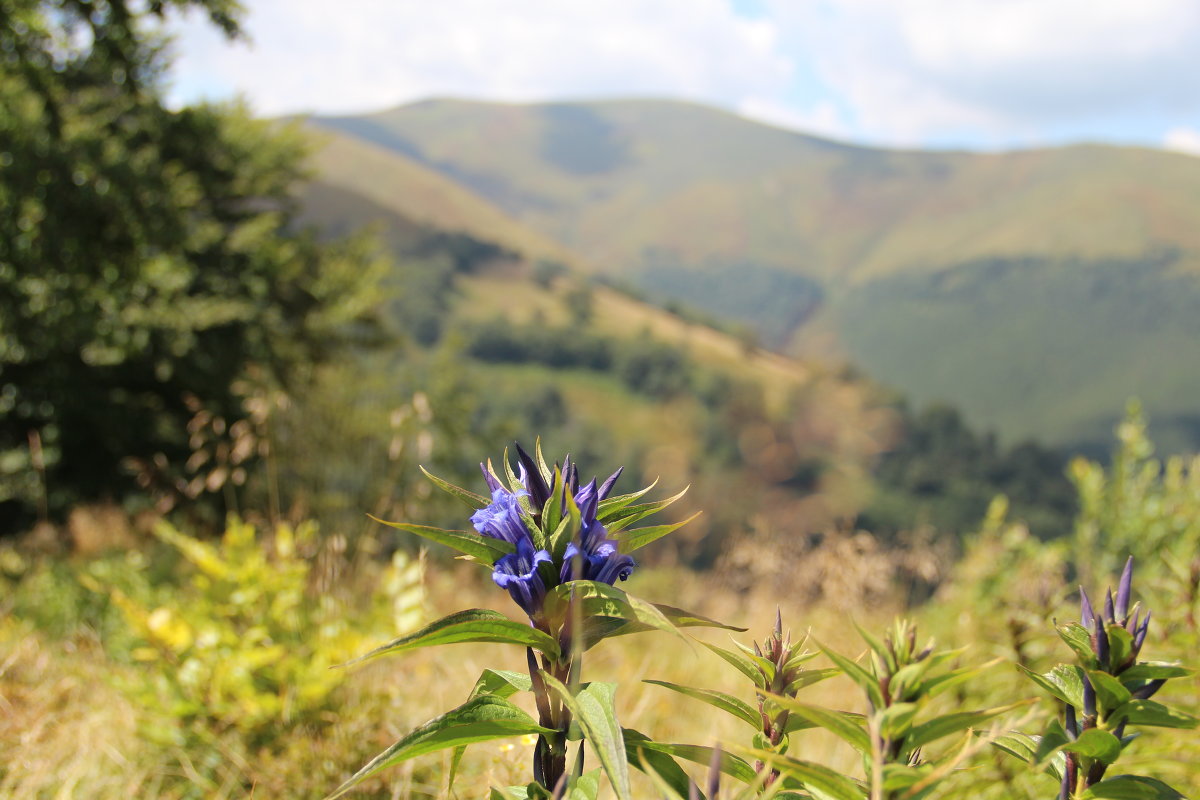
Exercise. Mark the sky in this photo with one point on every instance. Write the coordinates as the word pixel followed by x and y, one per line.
pixel 975 74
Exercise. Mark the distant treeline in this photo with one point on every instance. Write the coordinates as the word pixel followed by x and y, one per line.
pixel 944 474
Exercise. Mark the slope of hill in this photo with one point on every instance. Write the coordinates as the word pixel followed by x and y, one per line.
pixel 1037 290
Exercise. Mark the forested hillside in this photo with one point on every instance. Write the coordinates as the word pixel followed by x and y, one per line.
pixel 1063 265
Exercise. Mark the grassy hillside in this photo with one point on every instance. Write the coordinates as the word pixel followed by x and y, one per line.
pixel 864 254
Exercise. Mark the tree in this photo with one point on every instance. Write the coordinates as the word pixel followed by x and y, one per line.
pixel 148 257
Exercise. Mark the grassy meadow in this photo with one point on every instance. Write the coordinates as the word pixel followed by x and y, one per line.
pixel 111 690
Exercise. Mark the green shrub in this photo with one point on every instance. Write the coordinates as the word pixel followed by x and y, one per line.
pixel 244 643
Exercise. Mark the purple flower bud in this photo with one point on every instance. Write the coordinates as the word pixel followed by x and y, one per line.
pixel 1071 725
pixel 607 487
pixel 1089 700
pixel 1140 636
pixel 1108 608
pixel 570 474
pixel 1086 615
pixel 539 492
pixel 1100 643
pixel 1124 588
pixel 1150 689
pixel 493 484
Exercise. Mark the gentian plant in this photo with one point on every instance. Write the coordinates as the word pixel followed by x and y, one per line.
pixel 558 548
pixel 899 680
pixel 777 670
pixel 1104 695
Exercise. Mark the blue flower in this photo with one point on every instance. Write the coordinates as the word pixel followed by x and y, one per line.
pixel 518 573
pixel 599 558
pixel 594 555
pixel 501 519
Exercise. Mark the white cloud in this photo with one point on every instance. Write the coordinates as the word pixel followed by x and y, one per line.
pixel 911 68
pixel 367 54
pixel 900 72
pixel 1184 140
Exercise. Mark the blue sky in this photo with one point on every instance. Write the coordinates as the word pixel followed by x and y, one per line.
pixel 979 74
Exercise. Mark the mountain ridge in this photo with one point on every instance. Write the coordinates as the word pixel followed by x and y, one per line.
pixel 812 240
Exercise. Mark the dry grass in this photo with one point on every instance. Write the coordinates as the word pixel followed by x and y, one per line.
pixel 68 731
pixel 63 731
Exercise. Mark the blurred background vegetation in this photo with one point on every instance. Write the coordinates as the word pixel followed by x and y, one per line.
pixel 224 340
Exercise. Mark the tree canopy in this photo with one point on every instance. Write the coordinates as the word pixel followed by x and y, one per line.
pixel 149 258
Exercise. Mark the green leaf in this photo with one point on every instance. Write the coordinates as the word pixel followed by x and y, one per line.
pixel 600 599
pixel 612 506
pixel 650 760
pixel 699 754
pixel 865 680
pixel 1019 745
pixel 726 702
pixel 896 719
pixel 1120 647
pixel 595 712
pixel 514 482
pixel 881 651
pixel 472 625
pixel 1131 787
pixel 1079 639
pixel 898 777
pixel 1097 744
pixel 584 787
pixel 815 777
pixel 598 627
pixel 498 683
pixel 739 662
pixel 1154 714
pixel 1051 741
pixel 475 501
pixel 631 540
pixel 1064 682
pixel 936 728
pixel 552 510
pixel 1152 671
pixel 478 720
pixel 501 683
pixel 567 530
pixel 845 726
pixel 681 618
pixel 542 466
pixel 621 519
pixel 1110 694
pixel 475 545
pixel 810 676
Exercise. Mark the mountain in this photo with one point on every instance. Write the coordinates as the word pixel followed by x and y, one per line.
pixel 1037 290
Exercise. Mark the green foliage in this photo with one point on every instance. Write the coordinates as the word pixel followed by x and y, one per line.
pixel 1104 696
pixel 1009 583
pixel 893 737
pixel 244 644
pixel 150 261
pixel 1147 508
pixel 942 473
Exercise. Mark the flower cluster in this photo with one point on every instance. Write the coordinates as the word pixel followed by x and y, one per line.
pixel 518 517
